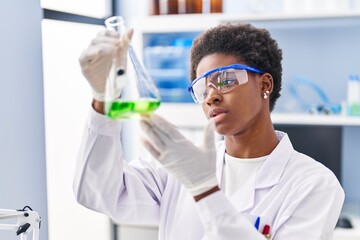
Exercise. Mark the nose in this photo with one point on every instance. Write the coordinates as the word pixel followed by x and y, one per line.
pixel 213 96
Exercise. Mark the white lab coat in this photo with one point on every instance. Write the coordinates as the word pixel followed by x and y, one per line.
pixel 296 196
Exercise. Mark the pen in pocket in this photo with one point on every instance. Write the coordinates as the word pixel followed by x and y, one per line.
pixel 266 231
pixel 257 223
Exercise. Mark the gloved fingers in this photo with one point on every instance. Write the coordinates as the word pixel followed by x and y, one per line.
pixel 121 57
pixel 93 53
pixel 108 33
pixel 114 37
pixel 153 134
pixel 128 36
pixel 209 138
pixel 106 42
pixel 156 129
pixel 122 50
pixel 150 148
pixel 107 36
pixel 102 39
pixel 169 130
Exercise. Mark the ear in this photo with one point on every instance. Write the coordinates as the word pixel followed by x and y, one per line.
pixel 267 83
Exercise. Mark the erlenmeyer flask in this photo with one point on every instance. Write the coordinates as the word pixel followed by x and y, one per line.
pixel 143 98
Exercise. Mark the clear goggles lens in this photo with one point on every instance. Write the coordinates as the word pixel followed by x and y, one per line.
pixel 223 79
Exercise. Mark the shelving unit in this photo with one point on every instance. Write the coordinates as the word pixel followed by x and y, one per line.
pixel 192 116
pixel 200 22
pixel 322 69
pixel 303 119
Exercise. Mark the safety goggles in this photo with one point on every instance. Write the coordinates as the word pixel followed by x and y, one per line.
pixel 223 79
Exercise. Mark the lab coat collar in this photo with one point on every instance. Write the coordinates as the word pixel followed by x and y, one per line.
pixel 268 175
pixel 273 167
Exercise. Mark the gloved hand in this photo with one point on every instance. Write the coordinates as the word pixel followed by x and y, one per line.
pixel 194 167
pixel 97 59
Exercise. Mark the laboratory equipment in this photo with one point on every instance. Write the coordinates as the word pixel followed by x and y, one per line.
pixel 154 7
pixel 166 56
pixel 169 7
pixel 353 95
pixel 193 6
pixel 216 6
pixel 311 97
pixel 27 221
pixel 141 97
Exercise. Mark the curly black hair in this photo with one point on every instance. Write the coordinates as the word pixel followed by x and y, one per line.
pixel 254 46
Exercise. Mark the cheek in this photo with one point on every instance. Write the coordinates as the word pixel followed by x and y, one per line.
pixel 249 98
pixel 244 108
pixel 244 103
pixel 248 105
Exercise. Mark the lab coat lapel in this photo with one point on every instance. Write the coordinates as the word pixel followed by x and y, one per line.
pixel 273 168
pixel 268 175
pixel 244 198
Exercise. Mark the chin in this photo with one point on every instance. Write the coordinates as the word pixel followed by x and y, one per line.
pixel 222 130
pixel 226 130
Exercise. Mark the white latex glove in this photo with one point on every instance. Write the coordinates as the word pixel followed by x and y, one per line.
pixel 98 58
pixel 193 166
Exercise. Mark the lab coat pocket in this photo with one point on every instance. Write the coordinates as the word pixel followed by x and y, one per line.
pixel 261 223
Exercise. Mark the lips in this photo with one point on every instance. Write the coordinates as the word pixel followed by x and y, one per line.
pixel 216 112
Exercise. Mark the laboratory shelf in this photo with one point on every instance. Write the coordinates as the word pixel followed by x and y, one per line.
pixel 307 119
pixel 316 25
pixel 185 22
pixel 190 115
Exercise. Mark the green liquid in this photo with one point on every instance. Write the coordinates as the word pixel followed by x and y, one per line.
pixel 127 109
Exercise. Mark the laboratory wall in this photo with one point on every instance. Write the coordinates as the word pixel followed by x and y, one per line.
pixel 67 97
pixel 22 145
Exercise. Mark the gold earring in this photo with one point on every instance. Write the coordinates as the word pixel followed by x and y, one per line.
pixel 266 94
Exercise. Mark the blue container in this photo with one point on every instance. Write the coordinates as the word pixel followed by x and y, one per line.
pixel 167 59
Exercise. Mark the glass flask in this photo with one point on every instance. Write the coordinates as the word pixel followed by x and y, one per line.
pixel 138 97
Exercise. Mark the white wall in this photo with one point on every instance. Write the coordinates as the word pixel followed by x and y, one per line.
pixel 22 146
pixel 67 101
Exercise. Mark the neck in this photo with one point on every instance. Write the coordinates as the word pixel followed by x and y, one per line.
pixel 257 142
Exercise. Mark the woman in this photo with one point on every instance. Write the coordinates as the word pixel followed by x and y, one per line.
pixel 253 185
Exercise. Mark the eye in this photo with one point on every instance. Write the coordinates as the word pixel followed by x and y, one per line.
pixel 227 82
pixel 227 78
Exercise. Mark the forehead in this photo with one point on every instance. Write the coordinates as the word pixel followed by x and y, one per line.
pixel 214 61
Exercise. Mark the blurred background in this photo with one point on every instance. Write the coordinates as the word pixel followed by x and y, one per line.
pixel 45 99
